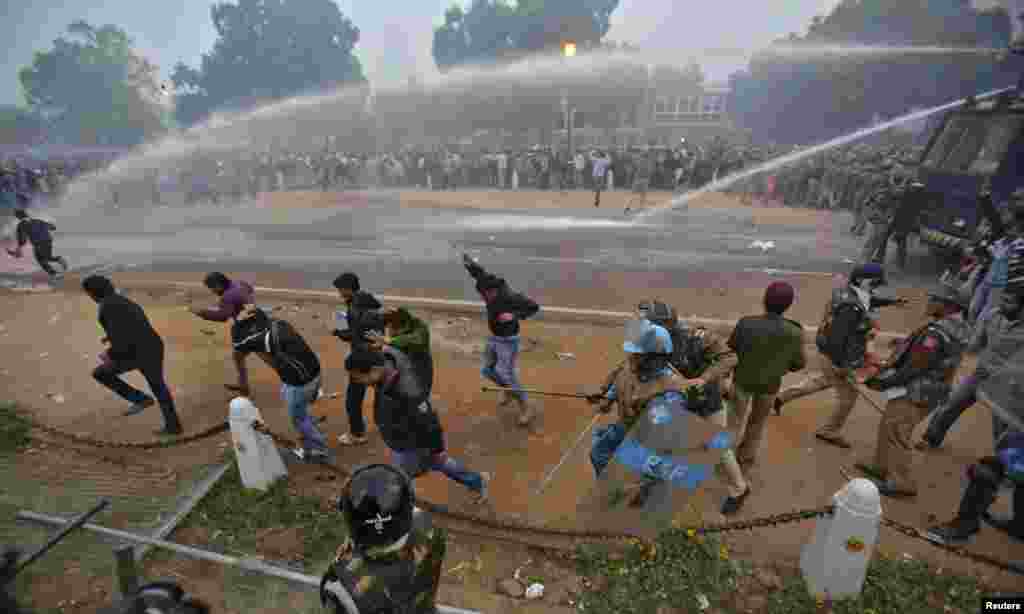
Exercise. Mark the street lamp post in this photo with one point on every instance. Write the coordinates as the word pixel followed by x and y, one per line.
pixel 568 51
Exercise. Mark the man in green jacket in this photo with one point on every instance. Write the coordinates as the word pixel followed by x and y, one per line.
pixel 411 336
pixel 767 347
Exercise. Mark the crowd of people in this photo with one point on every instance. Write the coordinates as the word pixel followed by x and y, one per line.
pixel 837 180
pixel 977 309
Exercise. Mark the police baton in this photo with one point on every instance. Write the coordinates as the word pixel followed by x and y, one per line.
pixel 568 395
pixel 565 456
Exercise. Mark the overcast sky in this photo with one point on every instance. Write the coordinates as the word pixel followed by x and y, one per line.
pixel 396 34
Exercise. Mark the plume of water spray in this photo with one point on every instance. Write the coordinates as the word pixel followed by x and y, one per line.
pixel 796 156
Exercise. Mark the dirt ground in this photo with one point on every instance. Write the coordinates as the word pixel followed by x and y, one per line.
pixel 56 337
pixel 796 471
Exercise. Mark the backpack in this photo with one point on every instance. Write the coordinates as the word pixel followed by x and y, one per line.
pixel 843 347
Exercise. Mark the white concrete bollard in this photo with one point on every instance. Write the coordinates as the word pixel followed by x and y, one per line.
pixel 259 461
pixel 835 561
pixel 611 180
pixel 515 179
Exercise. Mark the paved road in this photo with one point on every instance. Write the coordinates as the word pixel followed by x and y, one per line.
pixel 419 247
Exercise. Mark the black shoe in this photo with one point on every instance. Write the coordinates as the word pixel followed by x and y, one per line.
pixel 777 406
pixel 1011 526
pixel 138 408
pixel 733 504
pixel 168 432
pixel 955 531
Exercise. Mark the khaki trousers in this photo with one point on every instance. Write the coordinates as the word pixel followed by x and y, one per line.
pixel 894 449
pixel 748 422
pixel 735 482
pixel 831 377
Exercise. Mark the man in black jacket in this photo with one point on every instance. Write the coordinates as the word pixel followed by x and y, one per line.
pixel 279 345
pixel 361 316
pixel 37 232
pixel 505 309
pixel 406 419
pixel 134 345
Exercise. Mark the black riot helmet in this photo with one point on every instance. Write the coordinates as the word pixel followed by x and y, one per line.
pixel 378 503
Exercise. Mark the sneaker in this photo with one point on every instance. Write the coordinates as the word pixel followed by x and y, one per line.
pixel 953 532
pixel 138 408
pixel 526 414
pixel 733 505
pixel 483 495
pixel 315 455
pixel 1009 525
pixel 348 439
pixel 63 263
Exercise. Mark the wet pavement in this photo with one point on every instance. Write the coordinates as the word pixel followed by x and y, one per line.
pixel 401 247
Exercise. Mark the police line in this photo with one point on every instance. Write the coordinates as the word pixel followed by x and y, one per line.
pixel 557 314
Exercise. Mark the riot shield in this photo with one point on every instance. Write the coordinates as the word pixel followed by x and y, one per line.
pixel 660 463
pixel 1003 391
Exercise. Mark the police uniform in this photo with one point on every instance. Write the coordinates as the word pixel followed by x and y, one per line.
pixel 841 368
pixel 912 392
pixel 392 560
pixel 386 581
pixel 633 393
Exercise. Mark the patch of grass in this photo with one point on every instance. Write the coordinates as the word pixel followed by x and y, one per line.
pixel 233 516
pixel 891 586
pixel 675 572
pixel 681 568
pixel 14 428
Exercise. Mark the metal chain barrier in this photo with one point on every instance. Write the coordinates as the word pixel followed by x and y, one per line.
pixel 134 445
pixel 916 533
pixel 516 526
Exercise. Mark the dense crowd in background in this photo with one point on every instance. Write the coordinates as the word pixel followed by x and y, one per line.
pixel 840 179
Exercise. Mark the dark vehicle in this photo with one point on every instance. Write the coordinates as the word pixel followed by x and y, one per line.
pixel 980 146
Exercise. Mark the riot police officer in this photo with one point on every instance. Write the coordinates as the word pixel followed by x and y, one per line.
pixel 391 561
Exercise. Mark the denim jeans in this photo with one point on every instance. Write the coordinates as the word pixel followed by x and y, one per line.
pixel 500 363
pixel 605 441
pixel 298 399
pixel 417 462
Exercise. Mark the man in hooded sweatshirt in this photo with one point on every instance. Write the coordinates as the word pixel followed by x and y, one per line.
pixel 505 309
pixel 361 316
pixel 134 345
